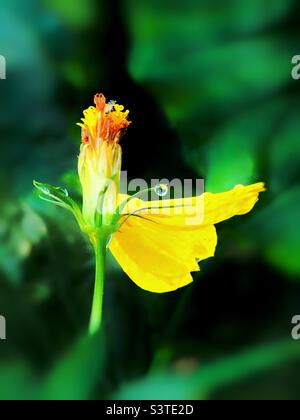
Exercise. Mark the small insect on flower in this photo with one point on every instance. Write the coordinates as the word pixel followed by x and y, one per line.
pixel 139 232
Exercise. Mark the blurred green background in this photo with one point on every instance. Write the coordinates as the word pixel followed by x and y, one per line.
pixel 209 86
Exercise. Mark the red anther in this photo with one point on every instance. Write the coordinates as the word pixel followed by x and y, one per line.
pixel 100 101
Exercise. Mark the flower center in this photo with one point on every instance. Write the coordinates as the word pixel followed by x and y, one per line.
pixel 105 122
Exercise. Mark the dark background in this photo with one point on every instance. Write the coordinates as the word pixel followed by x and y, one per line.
pixel 209 87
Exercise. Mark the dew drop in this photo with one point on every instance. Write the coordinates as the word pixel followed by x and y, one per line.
pixel 46 190
pixel 161 190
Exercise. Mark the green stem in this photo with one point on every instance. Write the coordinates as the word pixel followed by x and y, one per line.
pixel 96 315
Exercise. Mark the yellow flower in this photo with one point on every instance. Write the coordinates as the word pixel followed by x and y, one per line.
pixel 157 243
pixel 99 164
pixel 160 250
pixel 156 246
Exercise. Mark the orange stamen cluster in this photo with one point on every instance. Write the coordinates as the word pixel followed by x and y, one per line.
pixel 105 122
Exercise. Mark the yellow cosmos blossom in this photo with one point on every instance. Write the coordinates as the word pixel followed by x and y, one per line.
pixel 159 244
pixel 159 252
pixel 100 159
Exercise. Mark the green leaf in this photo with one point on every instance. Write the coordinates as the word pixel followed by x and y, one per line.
pixel 77 14
pixel 277 231
pixel 183 58
pixel 54 195
pixel 202 21
pixel 21 229
pixel 212 377
pixel 284 151
pixel 33 226
pixel 233 154
pixel 78 372
pixel 74 377
pixel 17 382
pixel 59 197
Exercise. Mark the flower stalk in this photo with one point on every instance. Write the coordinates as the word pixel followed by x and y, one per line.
pixel 97 306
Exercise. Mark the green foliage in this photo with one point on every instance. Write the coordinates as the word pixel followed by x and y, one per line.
pixel 72 378
pixel 77 374
pixel 222 76
pixel 79 16
pixel 21 229
pixel 192 64
pixel 279 238
pixel 202 383
pixel 210 92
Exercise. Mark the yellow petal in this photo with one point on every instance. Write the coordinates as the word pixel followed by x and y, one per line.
pixel 236 202
pixel 158 246
pixel 207 209
pixel 158 258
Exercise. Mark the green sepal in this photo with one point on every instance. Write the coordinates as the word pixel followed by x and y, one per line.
pixel 61 198
pixel 100 205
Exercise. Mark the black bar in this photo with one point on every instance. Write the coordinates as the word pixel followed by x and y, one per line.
pixel 141 409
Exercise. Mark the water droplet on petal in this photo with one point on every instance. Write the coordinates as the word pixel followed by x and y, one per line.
pixel 161 190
